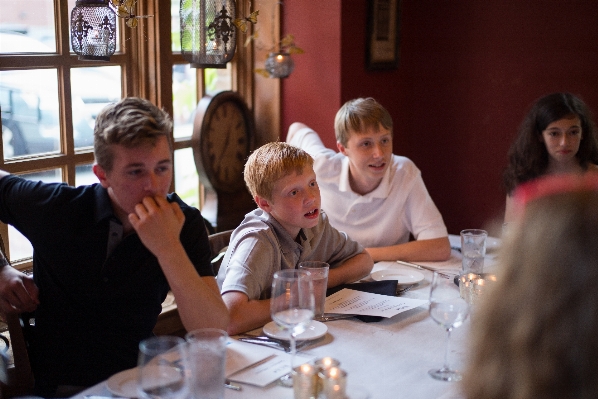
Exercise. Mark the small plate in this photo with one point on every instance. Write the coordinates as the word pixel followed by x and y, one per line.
pixel 123 384
pixel 314 330
pixel 404 277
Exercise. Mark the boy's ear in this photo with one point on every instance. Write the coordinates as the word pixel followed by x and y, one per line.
pixel 263 203
pixel 341 148
pixel 101 175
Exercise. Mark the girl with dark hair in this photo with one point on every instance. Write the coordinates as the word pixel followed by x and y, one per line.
pixel 557 136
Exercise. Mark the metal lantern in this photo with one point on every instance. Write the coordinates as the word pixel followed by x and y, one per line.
pixel 279 65
pixel 208 35
pixel 93 30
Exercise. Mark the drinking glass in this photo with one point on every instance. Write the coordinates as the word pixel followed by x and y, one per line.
pixel 292 306
pixel 448 309
pixel 161 372
pixel 473 249
pixel 319 277
pixel 206 354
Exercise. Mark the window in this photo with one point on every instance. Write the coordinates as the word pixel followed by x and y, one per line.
pixel 49 98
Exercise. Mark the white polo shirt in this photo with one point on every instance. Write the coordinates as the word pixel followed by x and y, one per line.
pixel 400 205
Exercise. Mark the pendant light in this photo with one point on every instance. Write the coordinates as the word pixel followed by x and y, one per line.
pixel 93 30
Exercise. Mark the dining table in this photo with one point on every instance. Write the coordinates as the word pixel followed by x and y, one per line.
pixel 389 358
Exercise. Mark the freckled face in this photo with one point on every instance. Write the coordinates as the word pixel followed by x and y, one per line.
pixel 295 202
pixel 562 139
pixel 137 173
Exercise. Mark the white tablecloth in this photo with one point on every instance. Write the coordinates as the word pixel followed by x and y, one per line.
pixel 390 358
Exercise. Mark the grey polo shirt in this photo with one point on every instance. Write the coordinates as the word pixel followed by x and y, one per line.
pixel 260 246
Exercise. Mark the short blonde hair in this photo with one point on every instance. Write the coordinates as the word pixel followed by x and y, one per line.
pixel 359 115
pixel 271 162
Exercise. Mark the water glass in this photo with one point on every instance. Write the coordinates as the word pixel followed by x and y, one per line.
pixel 206 360
pixel 473 249
pixel 161 371
pixel 319 277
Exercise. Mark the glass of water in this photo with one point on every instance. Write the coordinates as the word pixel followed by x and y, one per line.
pixel 161 371
pixel 473 250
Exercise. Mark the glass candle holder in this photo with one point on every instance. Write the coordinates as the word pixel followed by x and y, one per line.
pixel 334 383
pixel 322 364
pixel 305 381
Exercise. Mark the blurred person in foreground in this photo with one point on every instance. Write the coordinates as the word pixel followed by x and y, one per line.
pixel 379 199
pixel 106 255
pixel 287 228
pixel 535 334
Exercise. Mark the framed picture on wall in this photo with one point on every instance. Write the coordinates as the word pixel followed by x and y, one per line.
pixel 382 44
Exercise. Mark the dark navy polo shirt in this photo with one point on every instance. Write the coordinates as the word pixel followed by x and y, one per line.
pixel 94 307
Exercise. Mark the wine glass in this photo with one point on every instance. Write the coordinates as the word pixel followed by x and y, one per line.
pixel 161 372
pixel 448 309
pixel 292 306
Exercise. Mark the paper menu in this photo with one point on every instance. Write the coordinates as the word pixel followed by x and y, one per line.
pixel 348 301
pixel 240 355
pixel 257 365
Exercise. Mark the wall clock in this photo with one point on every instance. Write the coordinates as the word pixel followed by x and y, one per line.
pixel 224 132
pixel 223 137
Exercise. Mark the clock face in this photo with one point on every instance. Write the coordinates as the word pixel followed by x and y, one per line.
pixel 227 143
pixel 223 133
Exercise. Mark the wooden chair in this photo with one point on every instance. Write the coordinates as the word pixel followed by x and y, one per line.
pixel 19 375
pixel 218 244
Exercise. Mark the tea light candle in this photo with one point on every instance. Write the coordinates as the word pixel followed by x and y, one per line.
pixel 305 381
pixel 325 363
pixel 322 364
pixel 334 383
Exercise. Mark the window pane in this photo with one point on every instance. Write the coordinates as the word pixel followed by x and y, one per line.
pixel 218 80
pixel 27 26
pixel 175 24
pixel 186 181
pixel 30 114
pixel 84 175
pixel 184 99
pixel 92 89
pixel 20 247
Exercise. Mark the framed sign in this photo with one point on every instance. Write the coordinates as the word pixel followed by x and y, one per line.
pixel 382 46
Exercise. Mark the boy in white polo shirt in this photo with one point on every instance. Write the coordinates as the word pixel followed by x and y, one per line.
pixel 286 229
pixel 377 198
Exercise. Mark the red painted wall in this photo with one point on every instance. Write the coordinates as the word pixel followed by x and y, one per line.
pixel 468 72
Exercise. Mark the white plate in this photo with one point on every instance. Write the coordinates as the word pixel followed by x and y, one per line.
pixel 123 384
pixel 404 277
pixel 314 330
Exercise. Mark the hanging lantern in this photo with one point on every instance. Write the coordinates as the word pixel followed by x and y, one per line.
pixel 93 30
pixel 279 65
pixel 208 35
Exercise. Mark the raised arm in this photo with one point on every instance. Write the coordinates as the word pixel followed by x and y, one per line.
pixel 294 128
pixel 158 224
pixel 435 249
pixel 351 270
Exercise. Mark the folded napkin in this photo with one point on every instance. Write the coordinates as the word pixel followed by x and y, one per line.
pixel 384 287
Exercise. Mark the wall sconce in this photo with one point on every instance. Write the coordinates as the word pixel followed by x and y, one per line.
pixel 208 34
pixel 279 65
pixel 93 30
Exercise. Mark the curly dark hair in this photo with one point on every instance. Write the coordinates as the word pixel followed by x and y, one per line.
pixel 528 158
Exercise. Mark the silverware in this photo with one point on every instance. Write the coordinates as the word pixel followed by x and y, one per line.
pixel 230 385
pixel 404 289
pixel 421 267
pixel 274 342
pixel 334 316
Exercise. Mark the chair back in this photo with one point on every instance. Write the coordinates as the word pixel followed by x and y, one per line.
pixel 19 377
pixel 218 244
